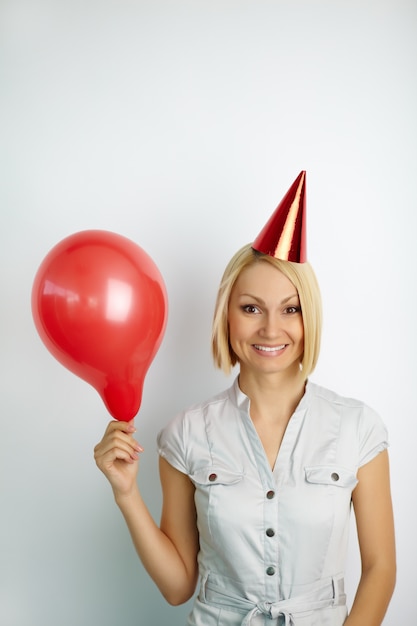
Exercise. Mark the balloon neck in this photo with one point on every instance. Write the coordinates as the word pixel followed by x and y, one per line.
pixel 122 399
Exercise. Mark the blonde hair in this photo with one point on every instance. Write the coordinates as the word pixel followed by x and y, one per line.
pixel 304 280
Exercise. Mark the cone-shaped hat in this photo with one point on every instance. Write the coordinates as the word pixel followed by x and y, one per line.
pixel 284 235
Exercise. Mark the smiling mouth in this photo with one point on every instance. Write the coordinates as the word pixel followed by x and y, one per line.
pixel 269 348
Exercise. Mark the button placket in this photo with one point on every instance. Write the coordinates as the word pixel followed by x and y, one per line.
pixel 269 520
pixel 270 543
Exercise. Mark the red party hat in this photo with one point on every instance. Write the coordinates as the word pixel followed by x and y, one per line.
pixel 284 235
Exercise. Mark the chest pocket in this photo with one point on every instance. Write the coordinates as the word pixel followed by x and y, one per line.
pixel 332 475
pixel 219 496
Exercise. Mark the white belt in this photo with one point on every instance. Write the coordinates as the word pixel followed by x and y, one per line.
pixel 326 593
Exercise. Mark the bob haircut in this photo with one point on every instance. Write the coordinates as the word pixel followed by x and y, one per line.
pixel 304 280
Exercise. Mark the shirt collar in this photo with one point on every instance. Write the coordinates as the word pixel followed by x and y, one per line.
pixel 242 401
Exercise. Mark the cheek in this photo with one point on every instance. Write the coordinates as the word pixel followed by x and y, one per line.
pixel 238 331
pixel 301 334
pixel 232 326
pixel 233 331
pixel 233 346
pixel 296 332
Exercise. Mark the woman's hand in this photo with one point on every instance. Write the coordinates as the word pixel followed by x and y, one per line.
pixel 117 456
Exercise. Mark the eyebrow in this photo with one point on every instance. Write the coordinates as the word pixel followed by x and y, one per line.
pixel 284 301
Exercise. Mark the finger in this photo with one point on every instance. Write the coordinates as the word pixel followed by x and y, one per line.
pixel 127 427
pixel 109 459
pixel 118 432
pixel 107 452
pixel 122 444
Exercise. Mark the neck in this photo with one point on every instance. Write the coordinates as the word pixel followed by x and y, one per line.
pixel 273 396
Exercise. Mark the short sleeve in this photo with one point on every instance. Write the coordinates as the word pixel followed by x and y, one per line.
pixel 171 444
pixel 373 436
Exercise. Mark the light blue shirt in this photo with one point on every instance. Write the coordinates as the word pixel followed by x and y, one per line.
pixel 272 543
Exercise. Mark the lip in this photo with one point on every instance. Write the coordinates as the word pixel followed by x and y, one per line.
pixel 269 351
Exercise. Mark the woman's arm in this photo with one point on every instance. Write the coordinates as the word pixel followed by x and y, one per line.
pixel 374 520
pixel 168 553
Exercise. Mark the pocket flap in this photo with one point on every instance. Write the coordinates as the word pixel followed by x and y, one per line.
pixel 331 475
pixel 216 475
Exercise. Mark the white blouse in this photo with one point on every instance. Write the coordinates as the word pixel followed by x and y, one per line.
pixel 272 543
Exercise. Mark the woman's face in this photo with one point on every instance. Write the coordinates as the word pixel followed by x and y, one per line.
pixel 265 321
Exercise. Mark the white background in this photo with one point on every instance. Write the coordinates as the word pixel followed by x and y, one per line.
pixel 180 124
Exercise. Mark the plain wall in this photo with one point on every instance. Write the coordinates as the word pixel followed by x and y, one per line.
pixel 181 124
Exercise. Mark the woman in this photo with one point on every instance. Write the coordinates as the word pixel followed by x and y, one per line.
pixel 258 481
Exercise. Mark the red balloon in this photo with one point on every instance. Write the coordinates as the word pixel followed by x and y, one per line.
pixel 100 306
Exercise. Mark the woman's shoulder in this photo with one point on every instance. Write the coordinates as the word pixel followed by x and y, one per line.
pixel 185 436
pixel 195 415
pixel 355 420
pixel 349 405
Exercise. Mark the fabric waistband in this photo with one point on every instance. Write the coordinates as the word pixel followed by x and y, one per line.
pixel 325 593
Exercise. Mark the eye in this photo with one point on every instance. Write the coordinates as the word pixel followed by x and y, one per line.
pixel 292 310
pixel 250 308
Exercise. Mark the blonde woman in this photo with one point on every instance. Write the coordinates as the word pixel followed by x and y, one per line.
pixel 258 481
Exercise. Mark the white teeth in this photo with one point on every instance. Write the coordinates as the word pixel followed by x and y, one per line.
pixel 270 348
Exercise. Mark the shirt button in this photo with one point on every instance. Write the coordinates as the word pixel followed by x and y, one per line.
pixel 270 571
pixel 270 532
pixel 212 478
pixel 270 494
pixel 335 476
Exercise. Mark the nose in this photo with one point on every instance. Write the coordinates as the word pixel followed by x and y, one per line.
pixel 271 326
